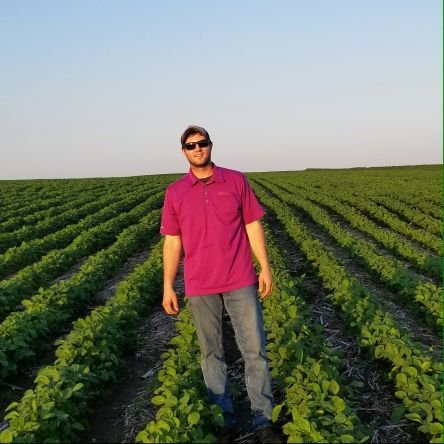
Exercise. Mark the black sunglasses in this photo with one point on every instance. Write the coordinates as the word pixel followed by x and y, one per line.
pixel 191 145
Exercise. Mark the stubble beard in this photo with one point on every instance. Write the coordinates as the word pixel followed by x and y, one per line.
pixel 201 163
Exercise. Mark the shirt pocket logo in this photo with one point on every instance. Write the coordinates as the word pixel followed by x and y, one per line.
pixel 226 207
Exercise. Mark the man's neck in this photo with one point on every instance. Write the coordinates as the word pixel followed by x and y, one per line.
pixel 202 172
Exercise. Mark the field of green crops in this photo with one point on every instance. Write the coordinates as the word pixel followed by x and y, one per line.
pixel 354 324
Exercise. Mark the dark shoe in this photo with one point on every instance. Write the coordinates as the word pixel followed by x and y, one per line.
pixel 225 435
pixel 267 435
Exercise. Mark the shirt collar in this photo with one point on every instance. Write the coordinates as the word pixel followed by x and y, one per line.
pixel 218 176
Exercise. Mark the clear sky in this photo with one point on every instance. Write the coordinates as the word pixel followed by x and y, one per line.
pixel 105 88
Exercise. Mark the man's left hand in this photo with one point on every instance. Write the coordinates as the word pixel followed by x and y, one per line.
pixel 265 282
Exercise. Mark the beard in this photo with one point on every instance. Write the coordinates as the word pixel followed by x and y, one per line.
pixel 202 162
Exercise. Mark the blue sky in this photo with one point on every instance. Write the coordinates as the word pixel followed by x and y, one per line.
pixel 105 88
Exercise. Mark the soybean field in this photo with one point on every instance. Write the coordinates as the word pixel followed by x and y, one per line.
pixel 354 323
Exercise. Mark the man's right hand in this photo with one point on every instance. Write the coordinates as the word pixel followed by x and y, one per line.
pixel 170 303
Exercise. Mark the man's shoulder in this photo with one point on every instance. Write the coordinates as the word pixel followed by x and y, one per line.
pixel 235 174
pixel 178 184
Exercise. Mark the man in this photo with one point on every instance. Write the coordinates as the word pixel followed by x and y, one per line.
pixel 213 214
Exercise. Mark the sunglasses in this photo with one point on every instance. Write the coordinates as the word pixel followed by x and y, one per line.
pixel 191 145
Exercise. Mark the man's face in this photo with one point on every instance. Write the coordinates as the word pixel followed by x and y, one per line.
pixel 198 157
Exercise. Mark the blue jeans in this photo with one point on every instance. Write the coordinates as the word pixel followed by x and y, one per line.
pixel 245 312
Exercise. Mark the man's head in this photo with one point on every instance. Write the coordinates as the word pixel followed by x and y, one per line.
pixel 196 146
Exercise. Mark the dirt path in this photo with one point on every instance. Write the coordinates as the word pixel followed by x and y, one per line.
pixel 13 388
pixel 125 408
pixel 379 248
pixel 373 398
pixel 379 223
pixel 405 314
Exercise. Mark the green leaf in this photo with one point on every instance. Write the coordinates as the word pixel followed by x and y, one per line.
pixel 398 413
pixel 142 436
pixel 401 378
pixel 411 371
pixel 434 428
pixel 400 394
pixel 347 439
pixel 11 406
pixel 316 368
pixel 193 418
pixel 276 412
pixel 6 436
pixel 158 400
pixel 293 438
pixel 301 424
pixel 163 425
pixel 77 387
pixel 379 351
pixel 334 387
pixel 414 417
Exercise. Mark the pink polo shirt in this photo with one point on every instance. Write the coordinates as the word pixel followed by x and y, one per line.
pixel 211 218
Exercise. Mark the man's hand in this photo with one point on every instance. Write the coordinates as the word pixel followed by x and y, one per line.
pixel 256 237
pixel 170 303
pixel 172 249
pixel 265 283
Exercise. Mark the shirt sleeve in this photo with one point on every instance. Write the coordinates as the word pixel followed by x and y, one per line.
pixel 169 223
pixel 251 208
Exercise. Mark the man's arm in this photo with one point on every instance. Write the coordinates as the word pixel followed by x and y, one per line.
pixel 256 237
pixel 172 249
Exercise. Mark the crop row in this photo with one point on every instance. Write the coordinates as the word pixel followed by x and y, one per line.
pixel 308 371
pixel 419 218
pixel 89 357
pixel 23 189
pixel 425 295
pixel 427 264
pixel 359 190
pixel 298 358
pixel 14 201
pixel 382 214
pixel 183 413
pixel 407 193
pixel 29 279
pixel 29 252
pixel 24 333
pixel 426 206
pixel 66 223
pixel 33 203
pixel 71 203
pixel 417 378
pixel 15 223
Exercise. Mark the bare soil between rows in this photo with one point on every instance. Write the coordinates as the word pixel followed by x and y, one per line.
pixel 379 248
pixel 384 226
pixel 374 401
pixel 125 408
pixel 405 314
pixel 13 387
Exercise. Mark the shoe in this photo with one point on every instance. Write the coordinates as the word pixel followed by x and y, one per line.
pixel 267 435
pixel 225 435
